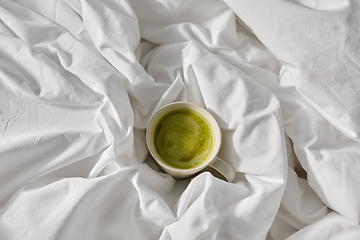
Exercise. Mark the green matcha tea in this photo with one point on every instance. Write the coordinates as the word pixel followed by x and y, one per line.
pixel 184 139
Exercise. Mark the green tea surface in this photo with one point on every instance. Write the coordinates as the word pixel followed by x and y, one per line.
pixel 184 139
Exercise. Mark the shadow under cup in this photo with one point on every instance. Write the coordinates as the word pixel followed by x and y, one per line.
pixel 150 138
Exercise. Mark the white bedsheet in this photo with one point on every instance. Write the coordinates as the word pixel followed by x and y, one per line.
pixel 79 81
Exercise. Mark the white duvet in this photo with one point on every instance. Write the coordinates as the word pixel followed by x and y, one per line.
pixel 80 80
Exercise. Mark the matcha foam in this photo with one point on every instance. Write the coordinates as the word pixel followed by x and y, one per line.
pixel 184 139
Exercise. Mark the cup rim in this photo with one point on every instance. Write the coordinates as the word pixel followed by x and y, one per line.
pixel 213 123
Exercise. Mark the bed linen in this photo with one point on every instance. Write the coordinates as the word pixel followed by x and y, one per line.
pixel 80 80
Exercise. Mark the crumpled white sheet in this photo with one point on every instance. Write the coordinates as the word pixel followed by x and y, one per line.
pixel 79 81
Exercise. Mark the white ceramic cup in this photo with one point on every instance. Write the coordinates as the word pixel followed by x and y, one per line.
pixel 212 160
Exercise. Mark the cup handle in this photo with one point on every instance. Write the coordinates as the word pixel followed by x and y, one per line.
pixel 223 168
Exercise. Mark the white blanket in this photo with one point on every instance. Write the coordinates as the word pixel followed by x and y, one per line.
pixel 80 80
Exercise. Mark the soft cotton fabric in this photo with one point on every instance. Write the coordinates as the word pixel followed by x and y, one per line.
pixel 80 81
